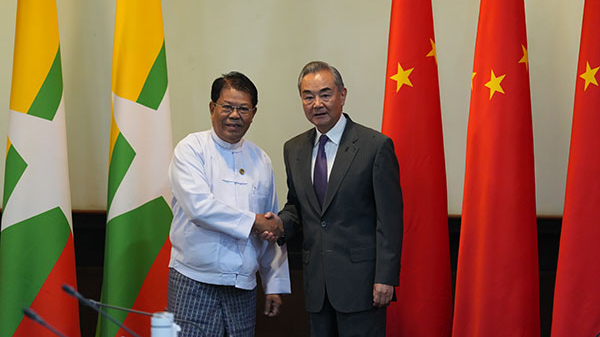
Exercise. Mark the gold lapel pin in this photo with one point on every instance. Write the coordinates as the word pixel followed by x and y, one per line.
pixel 242 171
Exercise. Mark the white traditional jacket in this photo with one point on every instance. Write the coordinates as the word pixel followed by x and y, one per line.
pixel 218 188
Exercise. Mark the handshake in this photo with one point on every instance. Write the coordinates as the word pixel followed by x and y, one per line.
pixel 268 226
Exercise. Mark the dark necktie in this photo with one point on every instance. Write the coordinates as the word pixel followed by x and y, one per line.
pixel 320 173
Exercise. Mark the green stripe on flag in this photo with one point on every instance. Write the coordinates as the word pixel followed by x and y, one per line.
pixel 156 83
pixel 122 157
pixel 134 239
pixel 48 98
pixel 28 252
pixel 15 166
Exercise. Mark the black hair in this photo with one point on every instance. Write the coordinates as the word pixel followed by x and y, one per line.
pixel 237 81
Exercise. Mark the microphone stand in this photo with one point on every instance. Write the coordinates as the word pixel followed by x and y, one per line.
pixel 178 320
pixel 100 304
pixel 96 306
pixel 71 291
pixel 39 320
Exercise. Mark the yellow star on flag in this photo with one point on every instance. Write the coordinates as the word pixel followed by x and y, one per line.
pixel 494 84
pixel 432 52
pixel 589 76
pixel 525 58
pixel 402 77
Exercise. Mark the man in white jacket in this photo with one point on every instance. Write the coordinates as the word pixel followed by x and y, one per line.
pixel 223 186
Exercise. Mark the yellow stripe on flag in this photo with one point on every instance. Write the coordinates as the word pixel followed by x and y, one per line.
pixel 138 40
pixel 36 44
pixel 114 133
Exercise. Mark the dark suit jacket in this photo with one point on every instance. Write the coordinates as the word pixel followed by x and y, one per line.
pixel 356 239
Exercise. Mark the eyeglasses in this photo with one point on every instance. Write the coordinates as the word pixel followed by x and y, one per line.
pixel 242 110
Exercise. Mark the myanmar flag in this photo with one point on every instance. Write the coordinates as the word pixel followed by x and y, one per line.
pixel 137 246
pixel 497 287
pixel 36 246
pixel 412 118
pixel 577 295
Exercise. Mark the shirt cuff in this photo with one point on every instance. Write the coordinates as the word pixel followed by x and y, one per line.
pixel 278 286
pixel 245 225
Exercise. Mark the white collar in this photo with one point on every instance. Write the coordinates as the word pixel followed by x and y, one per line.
pixel 224 144
pixel 335 133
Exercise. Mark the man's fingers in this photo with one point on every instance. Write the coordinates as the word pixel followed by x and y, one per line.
pixel 272 305
pixel 382 294
pixel 267 306
pixel 274 311
pixel 380 300
pixel 377 299
pixel 266 235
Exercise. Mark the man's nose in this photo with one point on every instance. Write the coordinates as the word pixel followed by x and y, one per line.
pixel 318 102
pixel 235 114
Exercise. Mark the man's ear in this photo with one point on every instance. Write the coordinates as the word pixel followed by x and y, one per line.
pixel 211 107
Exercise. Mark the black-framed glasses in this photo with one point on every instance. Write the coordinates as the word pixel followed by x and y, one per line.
pixel 228 108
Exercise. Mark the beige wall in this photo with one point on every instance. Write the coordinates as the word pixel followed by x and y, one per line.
pixel 270 40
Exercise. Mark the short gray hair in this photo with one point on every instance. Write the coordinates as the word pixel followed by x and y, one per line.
pixel 316 66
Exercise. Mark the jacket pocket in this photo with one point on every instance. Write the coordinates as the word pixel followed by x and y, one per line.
pixel 305 256
pixel 362 254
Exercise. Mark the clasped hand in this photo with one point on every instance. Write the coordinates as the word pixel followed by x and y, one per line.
pixel 268 226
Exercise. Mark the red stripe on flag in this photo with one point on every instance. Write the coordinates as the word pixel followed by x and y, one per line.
pixel 152 296
pixel 52 303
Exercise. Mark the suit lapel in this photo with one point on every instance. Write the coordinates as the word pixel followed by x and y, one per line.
pixel 343 158
pixel 303 163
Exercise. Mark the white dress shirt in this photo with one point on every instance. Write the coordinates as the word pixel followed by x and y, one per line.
pixel 218 188
pixel 335 135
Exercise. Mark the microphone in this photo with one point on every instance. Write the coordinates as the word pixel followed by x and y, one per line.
pixel 39 320
pixel 95 305
pixel 178 320
pixel 72 292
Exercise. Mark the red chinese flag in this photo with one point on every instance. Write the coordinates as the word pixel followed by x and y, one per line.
pixel 577 294
pixel 412 118
pixel 497 288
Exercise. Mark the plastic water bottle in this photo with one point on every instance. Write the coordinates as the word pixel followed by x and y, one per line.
pixel 163 325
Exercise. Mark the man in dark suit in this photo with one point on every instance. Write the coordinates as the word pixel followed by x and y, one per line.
pixel 345 199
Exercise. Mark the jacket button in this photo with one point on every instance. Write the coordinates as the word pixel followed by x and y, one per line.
pixel 323 224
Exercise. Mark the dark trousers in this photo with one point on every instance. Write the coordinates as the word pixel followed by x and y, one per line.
pixel 213 310
pixel 331 323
